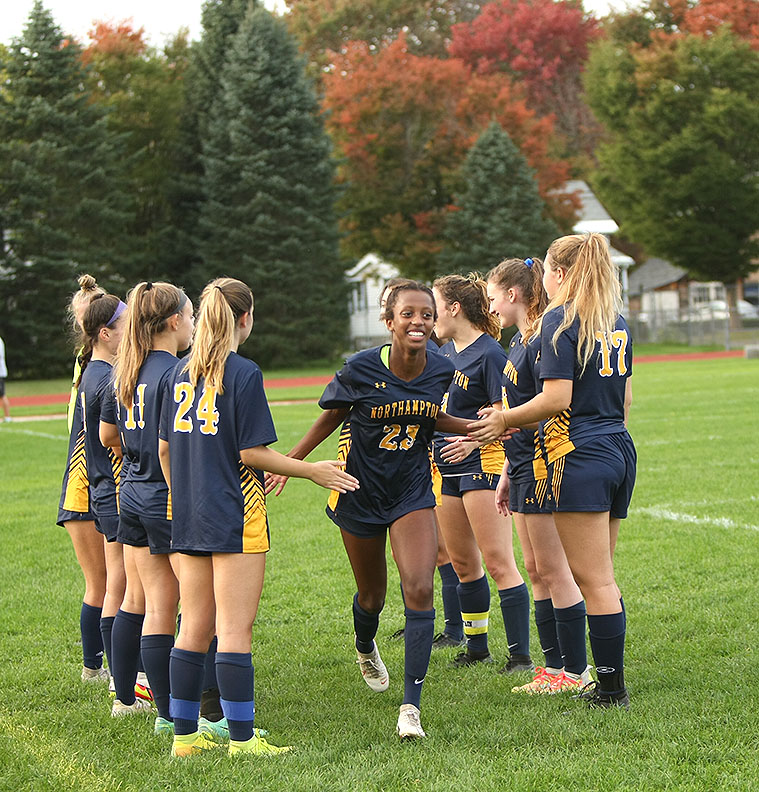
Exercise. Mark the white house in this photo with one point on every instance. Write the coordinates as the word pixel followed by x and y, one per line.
pixel 367 279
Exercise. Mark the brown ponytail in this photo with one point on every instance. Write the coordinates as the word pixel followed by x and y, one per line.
pixel 471 292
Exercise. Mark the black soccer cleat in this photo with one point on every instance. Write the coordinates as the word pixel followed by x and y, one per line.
pixel 516 664
pixel 444 641
pixel 596 698
pixel 467 658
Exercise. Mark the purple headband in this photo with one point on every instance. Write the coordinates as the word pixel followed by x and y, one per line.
pixel 120 308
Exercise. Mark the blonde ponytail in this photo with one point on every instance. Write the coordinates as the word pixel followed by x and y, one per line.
pixel 222 303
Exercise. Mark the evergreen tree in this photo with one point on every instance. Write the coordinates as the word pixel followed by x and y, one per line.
pixel 269 212
pixel 500 213
pixel 63 206
pixel 220 20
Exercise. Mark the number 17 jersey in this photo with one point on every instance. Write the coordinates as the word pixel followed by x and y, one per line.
pixel 385 439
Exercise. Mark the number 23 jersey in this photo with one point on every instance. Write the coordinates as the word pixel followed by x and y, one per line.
pixel 385 439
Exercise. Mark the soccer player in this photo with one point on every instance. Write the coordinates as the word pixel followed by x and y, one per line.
pixel 473 530
pixel 453 631
pixel 103 325
pixel 74 507
pixel 389 398
pixel 214 432
pixel 516 294
pixel 159 324
pixel 3 374
pixel 585 367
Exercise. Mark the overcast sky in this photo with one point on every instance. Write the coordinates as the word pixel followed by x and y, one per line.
pixel 160 18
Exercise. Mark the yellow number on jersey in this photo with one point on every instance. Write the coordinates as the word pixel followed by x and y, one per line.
pixel 207 413
pixel 389 443
pixel 184 394
pixel 618 341
pixel 408 440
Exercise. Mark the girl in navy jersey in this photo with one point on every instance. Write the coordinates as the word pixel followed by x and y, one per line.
pixel 389 398
pixel 74 507
pixel 103 324
pixel 585 367
pixel 159 323
pixel 215 429
pixel 473 530
pixel 516 294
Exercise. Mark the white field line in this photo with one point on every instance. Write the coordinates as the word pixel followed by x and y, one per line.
pixel 682 517
pixel 37 434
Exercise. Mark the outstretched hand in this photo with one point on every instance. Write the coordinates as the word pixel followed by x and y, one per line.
pixel 489 428
pixel 458 449
pixel 330 474
pixel 273 481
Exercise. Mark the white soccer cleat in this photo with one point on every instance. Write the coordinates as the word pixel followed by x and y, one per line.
pixel 373 669
pixel 409 723
pixel 95 675
pixel 140 705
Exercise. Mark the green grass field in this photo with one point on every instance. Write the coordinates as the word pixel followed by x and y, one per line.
pixel 686 562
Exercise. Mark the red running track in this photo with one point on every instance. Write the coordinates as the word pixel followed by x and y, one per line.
pixel 295 382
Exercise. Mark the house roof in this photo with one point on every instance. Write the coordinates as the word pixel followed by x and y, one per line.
pixel 371 266
pixel 593 217
pixel 653 274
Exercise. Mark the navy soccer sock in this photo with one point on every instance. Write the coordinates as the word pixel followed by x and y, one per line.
pixel 156 650
pixel 186 682
pixel 210 700
pixel 549 642
pixel 474 600
pixel 454 626
pixel 420 628
pixel 365 625
pixel 515 608
pixel 106 628
pixel 125 647
pixel 607 640
pixel 235 674
pixel 570 629
pixel 92 638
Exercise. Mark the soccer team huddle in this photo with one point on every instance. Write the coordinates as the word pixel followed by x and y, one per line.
pixel 446 438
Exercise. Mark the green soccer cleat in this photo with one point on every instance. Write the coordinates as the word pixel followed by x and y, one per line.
pixel 163 726
pixel 258 746
pixel 185 745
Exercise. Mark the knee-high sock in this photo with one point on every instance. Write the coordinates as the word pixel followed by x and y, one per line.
pixel 156 651
pixel 454 626
pixel 515 608
pixel 549 642
pixel 570 629
pixel 186 681
pixel 125 647
pixel 106 628
pixel 235 674
pixel 92 638
pixel 365 624
pixel 420 628
pixel 474 599
pixel 607 641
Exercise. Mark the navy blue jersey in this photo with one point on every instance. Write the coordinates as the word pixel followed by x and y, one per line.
pixel 477 383
pixel 521 382
pixel 143 488
pixel 75 492
pixel 217 502
pixel 598 393
pixel 103 466
pixel 385 439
